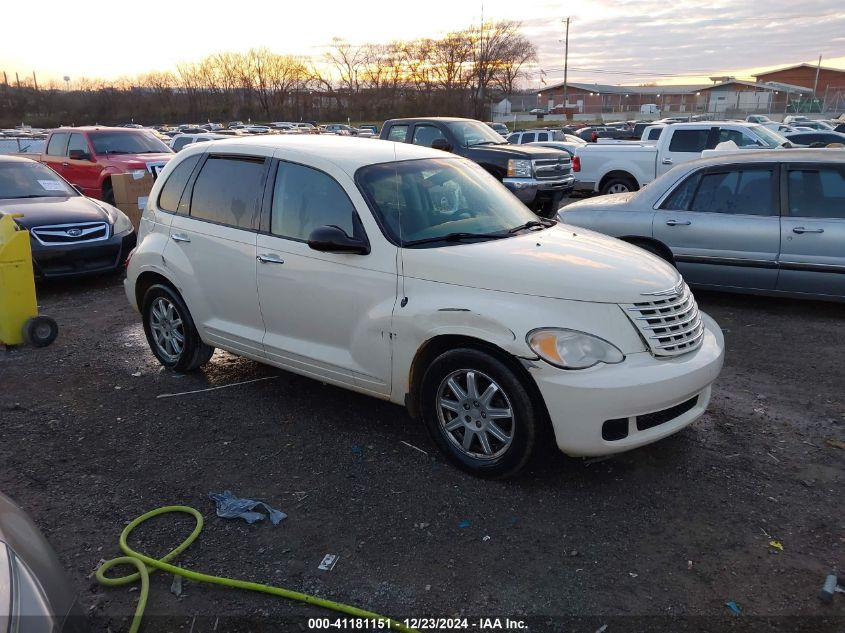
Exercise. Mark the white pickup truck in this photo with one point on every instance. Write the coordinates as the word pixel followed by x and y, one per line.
pixel 628 166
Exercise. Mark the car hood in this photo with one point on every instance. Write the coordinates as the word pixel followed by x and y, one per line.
pixel 526 151
pixel 138 161
pixel 562 262
pixel 600 202
pixel 54 210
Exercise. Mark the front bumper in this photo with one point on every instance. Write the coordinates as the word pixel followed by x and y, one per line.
pixel 529 189
pixel 581 402
pixel 87 258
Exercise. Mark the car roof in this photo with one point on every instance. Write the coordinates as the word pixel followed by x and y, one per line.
pixel 347 152
pixel 8 158
pixel 786 155
pixel 98 128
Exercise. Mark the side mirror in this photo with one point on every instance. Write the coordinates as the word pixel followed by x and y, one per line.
pixel 332 239
pixel 442 144
pixel 78 154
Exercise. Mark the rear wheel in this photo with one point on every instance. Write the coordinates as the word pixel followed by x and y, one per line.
pixel 170 330
pixel 654 249
pixel 618 185
pixel 479 413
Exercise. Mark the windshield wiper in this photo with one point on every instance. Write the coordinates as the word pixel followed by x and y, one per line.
pixel 531 224
pixel 456 237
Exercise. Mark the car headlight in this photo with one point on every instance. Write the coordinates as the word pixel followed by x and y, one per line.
pixel 571 349
pixel 120 221
pixel 519 168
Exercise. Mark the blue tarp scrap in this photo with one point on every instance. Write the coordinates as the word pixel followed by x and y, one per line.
pixel 231 507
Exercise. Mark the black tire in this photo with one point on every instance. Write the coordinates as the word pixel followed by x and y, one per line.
pixel 177 344
pixel 549 208
pixel 40 331
pixel 522 427
pixel 108 194
pixel 618 185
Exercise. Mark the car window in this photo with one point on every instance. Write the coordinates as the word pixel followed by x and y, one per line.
pixel 542 136
pixel 746 192
pixel 398 133
pixel 740 137
pixel 513 138
pixel 689 141
pixel 681 197
pixel 28 179
pixel 304 199
pixel 78 142
pixel 817 193
pixel 171 193
pixel 179 143
pixel 57 144
pixel 654 133
pixel 426 134
pixel 528 137
pixel 127 143
pixel 227 191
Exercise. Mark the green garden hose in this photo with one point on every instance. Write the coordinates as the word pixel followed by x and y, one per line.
pixel 146 565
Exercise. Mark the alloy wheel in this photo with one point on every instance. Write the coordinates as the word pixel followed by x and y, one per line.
pixel 167 329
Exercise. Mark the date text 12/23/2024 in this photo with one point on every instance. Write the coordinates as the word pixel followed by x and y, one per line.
pixel 420 624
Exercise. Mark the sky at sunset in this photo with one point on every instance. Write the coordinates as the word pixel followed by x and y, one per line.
pixel 613 42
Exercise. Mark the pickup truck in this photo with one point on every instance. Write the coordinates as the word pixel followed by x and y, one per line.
pixel 628 166
pixel 87 157
pixel 538 176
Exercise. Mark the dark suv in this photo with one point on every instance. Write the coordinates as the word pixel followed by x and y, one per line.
pixel 539 176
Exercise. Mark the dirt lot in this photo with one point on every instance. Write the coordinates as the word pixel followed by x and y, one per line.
pixel 656 539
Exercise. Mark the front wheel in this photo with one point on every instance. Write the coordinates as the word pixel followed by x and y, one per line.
pixel 479 413
pixel 170 330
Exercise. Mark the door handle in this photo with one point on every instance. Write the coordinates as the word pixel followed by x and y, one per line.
pixel 678 223
pixel 667 161
pixel 180 237
pixel 270 259
pixel 65 164
pixel 801 229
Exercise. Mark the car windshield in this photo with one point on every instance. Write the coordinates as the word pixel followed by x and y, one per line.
pixel 441 201
pixel 28 179
pixel 471 133
pixel 769 137
pixel 127 143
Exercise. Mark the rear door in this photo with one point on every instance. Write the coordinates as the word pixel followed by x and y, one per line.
pixel 812 257
pixel 723 226
pixel 82 171
pixel 55 154
pixel 685 145
pixel 212 251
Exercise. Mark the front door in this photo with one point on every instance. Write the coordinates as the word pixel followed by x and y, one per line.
pixel 327 315
pixel 79 169
pixel 723 226
pixel 812 254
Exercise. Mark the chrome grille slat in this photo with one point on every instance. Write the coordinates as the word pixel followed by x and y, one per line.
pixel 75 233
pixel 669 325
pixel 552 168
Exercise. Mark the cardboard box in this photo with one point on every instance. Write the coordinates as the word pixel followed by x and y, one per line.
pixel 131 191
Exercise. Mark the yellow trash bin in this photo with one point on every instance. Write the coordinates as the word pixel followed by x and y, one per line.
pixel 19 320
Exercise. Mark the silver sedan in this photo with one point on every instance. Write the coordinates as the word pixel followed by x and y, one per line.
pixel 765 222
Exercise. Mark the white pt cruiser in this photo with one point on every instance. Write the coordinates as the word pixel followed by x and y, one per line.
pixel 414 276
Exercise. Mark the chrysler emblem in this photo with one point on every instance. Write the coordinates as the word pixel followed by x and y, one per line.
pixel 675 291
pixel 74 232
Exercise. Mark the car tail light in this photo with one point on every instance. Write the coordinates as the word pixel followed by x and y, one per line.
pixel 576 163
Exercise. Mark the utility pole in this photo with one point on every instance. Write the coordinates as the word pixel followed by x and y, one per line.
pixel 816 83
pixel 481 64
pixel 565 71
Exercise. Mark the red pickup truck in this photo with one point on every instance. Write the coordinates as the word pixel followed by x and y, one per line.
pixel 88 156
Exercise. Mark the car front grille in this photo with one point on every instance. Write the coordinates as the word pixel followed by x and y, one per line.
pixel 670 323
pixel 64 234
pixel 552 168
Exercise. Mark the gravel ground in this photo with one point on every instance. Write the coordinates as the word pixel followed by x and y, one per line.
pixel 656 539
